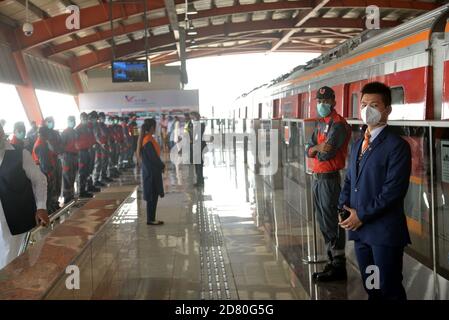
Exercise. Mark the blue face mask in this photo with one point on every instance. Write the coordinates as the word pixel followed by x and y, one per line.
pixel 50 125
pixel 20 135
pixel 71 124
pixel 324 109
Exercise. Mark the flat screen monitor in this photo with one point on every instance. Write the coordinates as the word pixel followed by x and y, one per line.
pixel 130 71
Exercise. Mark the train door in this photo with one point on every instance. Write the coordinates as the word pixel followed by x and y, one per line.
pixel 299 107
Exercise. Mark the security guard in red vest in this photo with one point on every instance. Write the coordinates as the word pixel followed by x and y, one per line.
pixel 85 143
pixel 328 147
pixel 102 153
pixel 114 143
pixel 46 160
pixel 69 139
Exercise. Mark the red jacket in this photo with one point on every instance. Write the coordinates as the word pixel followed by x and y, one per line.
pixel 334 130
pixel 86 137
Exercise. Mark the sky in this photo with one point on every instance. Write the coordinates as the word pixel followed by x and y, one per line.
pixel 222 79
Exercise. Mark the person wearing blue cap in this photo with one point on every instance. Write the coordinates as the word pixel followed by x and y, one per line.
pixel 328 147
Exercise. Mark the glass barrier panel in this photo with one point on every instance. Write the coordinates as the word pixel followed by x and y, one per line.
pixel 441 190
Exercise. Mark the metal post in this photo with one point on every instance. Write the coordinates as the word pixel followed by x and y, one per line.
pixel 314 258
pixel 433 231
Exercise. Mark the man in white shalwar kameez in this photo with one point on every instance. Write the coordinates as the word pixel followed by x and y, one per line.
pixel 10 244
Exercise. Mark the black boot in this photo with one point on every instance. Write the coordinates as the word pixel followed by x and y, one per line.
pixel 93 189
pixel 334 271
pixel 85 194
pixel 99 184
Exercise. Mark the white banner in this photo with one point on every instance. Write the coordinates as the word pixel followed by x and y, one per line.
pixel 140 101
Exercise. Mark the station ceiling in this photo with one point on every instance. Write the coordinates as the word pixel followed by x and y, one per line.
pixel 222 26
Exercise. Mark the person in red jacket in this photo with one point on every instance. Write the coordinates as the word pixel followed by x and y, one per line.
pixel 328 148
pixel 69 160
pixel 84 145
pixel 102 154
pixel 18 138
pixel 56 151
pixel 46 160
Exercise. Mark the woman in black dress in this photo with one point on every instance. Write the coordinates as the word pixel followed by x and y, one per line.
pixel 152 169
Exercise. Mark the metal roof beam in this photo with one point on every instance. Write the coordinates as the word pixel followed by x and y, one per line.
pixel 54 27
pixel 300 20
pixel 105 55
pixel 34 9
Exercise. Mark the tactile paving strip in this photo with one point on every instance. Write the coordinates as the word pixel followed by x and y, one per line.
pixel 216 285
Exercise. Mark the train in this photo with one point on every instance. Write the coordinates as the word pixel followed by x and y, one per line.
pixel 412 58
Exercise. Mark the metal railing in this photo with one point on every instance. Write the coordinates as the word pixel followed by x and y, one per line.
pixel 30 237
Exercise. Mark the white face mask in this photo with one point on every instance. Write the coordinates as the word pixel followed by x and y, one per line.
pixel 370 116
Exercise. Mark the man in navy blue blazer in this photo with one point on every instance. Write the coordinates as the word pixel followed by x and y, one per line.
pixel 376 183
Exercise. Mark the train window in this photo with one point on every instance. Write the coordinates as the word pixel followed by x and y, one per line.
pixel 397 95
pixel 11 109
pixel 355 106
pixel 57 105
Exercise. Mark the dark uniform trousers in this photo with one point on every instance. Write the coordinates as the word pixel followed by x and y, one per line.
pixel 101 164
pixel 92 155
pixel 113 158
pixel 84 165
pixel 326 192
pixel 123 156
pixel 69 171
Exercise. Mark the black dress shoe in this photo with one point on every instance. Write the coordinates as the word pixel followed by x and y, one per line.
pixel 99 184
pixel 93 189
pixel 327 267
pixel 334 273
pixel 86 195
pixel 155 223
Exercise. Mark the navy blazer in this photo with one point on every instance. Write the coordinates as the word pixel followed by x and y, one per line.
pixel 377 192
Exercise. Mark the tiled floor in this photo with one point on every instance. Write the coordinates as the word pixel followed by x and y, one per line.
pixel 227 258
pixel 217 243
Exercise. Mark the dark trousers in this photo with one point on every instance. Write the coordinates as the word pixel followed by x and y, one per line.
pixel 84 168
pixel 113 158
pixel 52 203
pixel 58 181
pixel 389 262
pixel 92 154
pixel 199 173
pixel 69 170
pixel 101 164
pixel 151 207
pixel 325 200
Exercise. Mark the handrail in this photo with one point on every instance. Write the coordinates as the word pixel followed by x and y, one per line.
pixel 53 218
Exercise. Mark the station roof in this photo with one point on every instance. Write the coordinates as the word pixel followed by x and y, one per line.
pixel 222 26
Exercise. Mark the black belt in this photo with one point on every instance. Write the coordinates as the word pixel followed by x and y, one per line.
pixel 326 175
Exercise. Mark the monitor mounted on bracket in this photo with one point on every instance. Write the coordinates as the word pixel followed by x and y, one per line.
pixel 130 71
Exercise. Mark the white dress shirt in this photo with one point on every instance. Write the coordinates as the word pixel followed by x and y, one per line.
pixel 375 132
pixel 9 244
